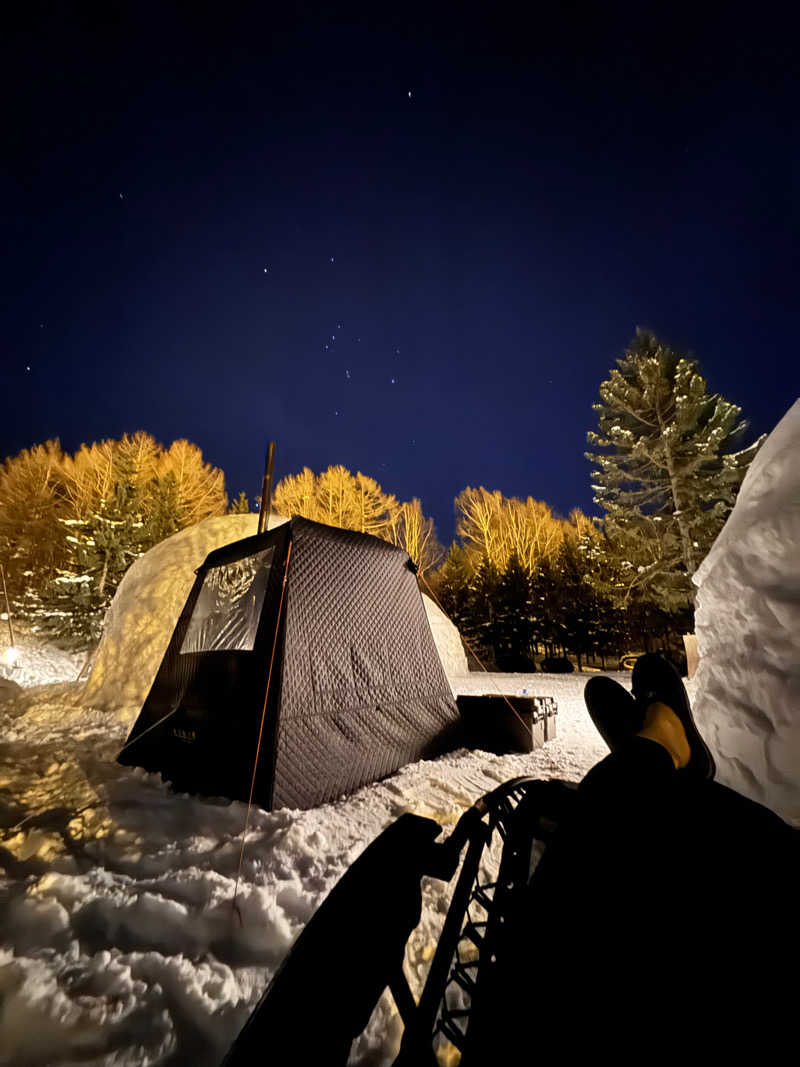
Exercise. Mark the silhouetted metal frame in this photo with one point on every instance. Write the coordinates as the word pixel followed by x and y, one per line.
pixel 385 884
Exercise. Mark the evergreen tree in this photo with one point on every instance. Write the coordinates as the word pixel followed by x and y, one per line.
pixel 668 478
pixel 546 605
pixel 478 613
pixel 450 583
pixel 240 506
pixel 513 629
pixel 579 609
pixel 101 548
pixel 70 526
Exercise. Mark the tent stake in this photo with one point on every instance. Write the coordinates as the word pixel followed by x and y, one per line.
pixel 8 606
pixel 266 489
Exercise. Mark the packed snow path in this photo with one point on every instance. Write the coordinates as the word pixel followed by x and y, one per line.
pixel 119 943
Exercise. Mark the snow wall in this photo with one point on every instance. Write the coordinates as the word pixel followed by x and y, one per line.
pixel 150 598
pixel 747 621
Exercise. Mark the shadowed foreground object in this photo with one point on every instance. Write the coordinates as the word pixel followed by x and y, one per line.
pixel 310 646
pixel 595 915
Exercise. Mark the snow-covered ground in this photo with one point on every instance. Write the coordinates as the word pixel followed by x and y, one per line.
pixel 37 663
pixel 119 942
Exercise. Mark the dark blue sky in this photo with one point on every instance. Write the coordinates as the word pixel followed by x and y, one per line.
pixel 490 242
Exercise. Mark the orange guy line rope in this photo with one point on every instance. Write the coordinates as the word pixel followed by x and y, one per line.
pixel 260 733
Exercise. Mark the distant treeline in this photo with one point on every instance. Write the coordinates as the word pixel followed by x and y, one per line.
pixel 518 580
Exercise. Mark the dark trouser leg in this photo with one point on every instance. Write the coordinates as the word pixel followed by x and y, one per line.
pixel 662 904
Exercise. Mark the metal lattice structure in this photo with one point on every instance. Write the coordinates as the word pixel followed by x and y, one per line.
pixel 520 818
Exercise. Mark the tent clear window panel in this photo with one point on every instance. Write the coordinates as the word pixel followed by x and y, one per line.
pixel 225 617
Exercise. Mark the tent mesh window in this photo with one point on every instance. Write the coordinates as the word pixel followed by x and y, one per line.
pixel 228 609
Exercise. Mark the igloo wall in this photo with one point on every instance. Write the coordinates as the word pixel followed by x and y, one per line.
pixel 747 621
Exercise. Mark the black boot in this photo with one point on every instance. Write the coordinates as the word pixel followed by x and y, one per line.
pixel 655 681
pixel 613 710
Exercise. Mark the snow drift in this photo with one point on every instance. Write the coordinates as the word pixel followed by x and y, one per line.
pixel 119 946
pixel 748 631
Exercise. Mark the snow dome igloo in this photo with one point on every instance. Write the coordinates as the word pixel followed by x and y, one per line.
pixel 747 620
pixel 150 598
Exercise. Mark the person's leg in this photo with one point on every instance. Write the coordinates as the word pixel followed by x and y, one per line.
pixel 658 904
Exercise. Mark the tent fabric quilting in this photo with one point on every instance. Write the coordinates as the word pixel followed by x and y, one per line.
pixel 357 688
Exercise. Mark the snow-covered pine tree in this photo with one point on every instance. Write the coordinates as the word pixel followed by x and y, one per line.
pixel 102 545
pixel 670 475
pixel 124 497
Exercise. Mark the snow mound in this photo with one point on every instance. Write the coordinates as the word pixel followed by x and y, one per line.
pixel 151 596
pixel 747 622
pixel 146 608
pixel 39 663
pixel 448 642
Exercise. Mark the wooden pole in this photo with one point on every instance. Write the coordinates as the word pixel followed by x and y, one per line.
pixel 8 606
pixel 266 489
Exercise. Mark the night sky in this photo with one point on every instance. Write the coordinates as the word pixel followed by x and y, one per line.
pixel 408 242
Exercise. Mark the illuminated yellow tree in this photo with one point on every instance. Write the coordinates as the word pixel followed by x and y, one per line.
pixel 199 488
pixel 479 523
pixel 416 534
pixel 296 494
pixel 338 498
pixel 496 528
pixel 32 541
pixel 70 526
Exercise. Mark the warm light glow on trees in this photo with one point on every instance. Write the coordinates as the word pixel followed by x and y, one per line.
pixel 31 500
pixel 416 534
pixel 70 526
pixel 337 497
pixel 199 487
pixel 497 528
pixel 296 494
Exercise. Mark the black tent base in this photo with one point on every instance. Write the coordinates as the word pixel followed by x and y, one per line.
pixel 503 724
pixel 353 947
